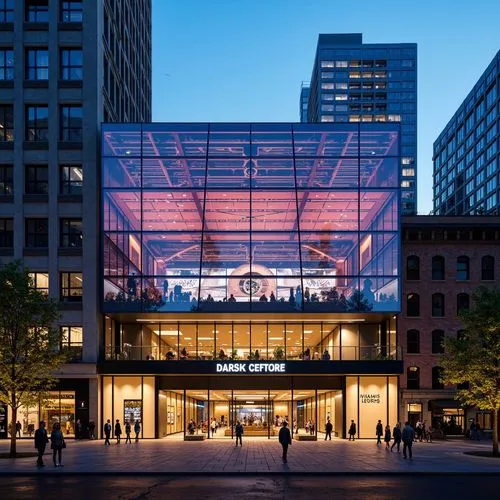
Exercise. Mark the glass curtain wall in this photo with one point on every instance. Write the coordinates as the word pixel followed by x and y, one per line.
pixel 252 341
pixel 240 217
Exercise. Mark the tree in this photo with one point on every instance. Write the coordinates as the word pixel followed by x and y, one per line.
pixel 473 359
pixel 29 343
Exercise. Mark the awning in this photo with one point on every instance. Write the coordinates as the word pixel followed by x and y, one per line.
pixel 438 405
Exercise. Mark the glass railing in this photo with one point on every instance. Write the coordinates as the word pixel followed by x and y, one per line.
pixel 344 353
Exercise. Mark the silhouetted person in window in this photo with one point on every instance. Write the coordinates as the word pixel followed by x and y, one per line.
pixel 326 355
pixel 263 298
pixel 272 297
pixel 307 294
pixel 132 284
pixel 165 289
pixel 230 299
pixel 291 299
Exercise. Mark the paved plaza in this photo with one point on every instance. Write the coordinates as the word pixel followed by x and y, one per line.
pixel 257 455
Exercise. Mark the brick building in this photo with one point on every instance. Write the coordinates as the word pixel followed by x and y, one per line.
pixel 444 260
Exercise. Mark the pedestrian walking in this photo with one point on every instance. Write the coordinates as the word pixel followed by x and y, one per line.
pixel 379 431
pixel 107 433
pixel 419 431
pixel 238 430
pixel 387 437
pixel 328 429
pixel 128 430
pixel 41 441
pixel 57 444
pixel 352 430
pixel 285 439
pixel 118 431
pixel 18 428
pixel 408 436
pixel 137 430
pixel 396 434
pixel 213 426
pixel 78 429
pixel 91 429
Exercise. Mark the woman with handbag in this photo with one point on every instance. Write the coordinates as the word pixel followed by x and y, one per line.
pixel 57 444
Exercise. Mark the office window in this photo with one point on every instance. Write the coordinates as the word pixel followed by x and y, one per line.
pixel 6 64
pixel 413 305
pixel 71 179
pixel 36 11
pixel 437 341
pixel 7 11
pixel 72 341
pixel 71 123
pixel 438 267
pixel 37 233
pixel 463 268
pixel 6 123
pixel 436 375
pixel 6 180
pixel 6 233
pixel 40 282
pixel 413 268
pixel 413 378
pixel 71 234
pixel 463 302
pixel 71 11
pixel 487 268
pixel 437 301
pixel 36 179
pixel 71 64
pixel 71 287
pixel 37 123
pixel 413 342
pixel 37 64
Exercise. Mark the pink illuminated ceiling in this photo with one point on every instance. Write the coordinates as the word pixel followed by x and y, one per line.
pixel 184 179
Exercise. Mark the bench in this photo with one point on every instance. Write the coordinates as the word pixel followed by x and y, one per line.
pixel 305 437
pixel 195 437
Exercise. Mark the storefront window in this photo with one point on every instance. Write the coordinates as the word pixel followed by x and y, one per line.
pixel 60 407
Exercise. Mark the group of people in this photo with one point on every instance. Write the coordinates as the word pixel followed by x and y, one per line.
pixel 118 431
pixel 57 444
pixel 406 435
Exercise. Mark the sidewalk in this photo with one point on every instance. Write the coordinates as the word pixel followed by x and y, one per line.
pixel 258 456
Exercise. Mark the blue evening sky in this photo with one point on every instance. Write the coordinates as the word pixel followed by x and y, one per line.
pixel 244 60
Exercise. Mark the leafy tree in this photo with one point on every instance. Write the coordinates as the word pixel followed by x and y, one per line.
pixel 29 343
pixel 473 359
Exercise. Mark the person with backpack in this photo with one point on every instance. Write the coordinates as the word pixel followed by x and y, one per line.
pixel 285 439
pixel 57 444
pixel 396 434
pixel 107 433
pixel 379 430
pixel 408 436
pixel 352 430
pixel 128 430
pixel 239 432
pixel 137 430
pixel 328 429
pixel 118 431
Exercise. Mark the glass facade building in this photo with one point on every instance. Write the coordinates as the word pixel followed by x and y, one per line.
pixel 354 81
pixel 250 272
pixel 250 217
pixel 467 152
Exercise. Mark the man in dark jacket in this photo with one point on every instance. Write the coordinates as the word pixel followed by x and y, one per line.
pixel 285 438
pixel 352 430
pixel 379 430
pixel 118 431
pixel 408 436
pixel 328 429
pixel 41 441
pixel 107 433
pixel 238 430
